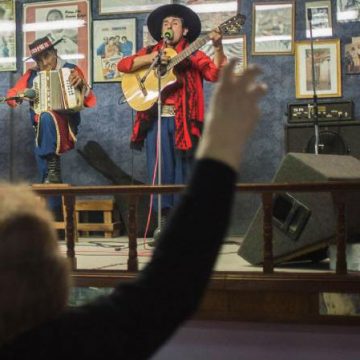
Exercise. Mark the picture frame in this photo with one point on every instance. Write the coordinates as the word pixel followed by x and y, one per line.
pixel 110 7
pixel 273 28
pixel 327 69
pixel 112 40
pixel 7 35
pixel 351 58
pixel 321 18
pixel 148 40
pixel 347 10
pixel 67 20
pixel 234 47
pixel 212 13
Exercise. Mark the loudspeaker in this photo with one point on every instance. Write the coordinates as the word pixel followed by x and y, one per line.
pixel 305 222
pixel 340 138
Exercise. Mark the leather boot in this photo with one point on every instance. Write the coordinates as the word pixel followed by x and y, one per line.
pixel 53 175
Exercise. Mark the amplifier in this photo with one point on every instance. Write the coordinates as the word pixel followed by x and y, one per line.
pixel 327 111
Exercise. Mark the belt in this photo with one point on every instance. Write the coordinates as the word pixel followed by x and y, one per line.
pixel 168 110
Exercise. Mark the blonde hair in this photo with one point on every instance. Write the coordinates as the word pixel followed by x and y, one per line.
pixel 34 276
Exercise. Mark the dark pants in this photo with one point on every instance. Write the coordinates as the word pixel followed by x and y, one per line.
pixel 175 167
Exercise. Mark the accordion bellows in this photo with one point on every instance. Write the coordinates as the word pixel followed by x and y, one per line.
pixel 55 93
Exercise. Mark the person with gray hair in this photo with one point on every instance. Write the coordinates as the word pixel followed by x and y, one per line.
pixel 137 317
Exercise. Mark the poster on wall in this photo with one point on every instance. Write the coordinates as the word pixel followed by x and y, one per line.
pixel 347 10
pixel 107 7
pixel 148 40
pixel 327 69
pixel 273 28
pixel 7 35
pixel 67 20
pixel 320 18
pixel 112 40
pixel 234 47
pixel 211 12
pixel 352 57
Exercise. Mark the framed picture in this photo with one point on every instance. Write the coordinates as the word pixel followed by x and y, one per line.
pixel 320 18
pixel 7 35
pixel 107 7
pixel 211 12
pixel 327 69
pixel 234 47
pixel 67 20
pixel 273 28
pixel 148 40
pixel 352 57
pixel 347 10
pixel 112 40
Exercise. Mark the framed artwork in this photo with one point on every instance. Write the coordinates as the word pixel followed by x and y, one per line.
pixel 211 12
pixel 148 40
pixel 273 28
pixel 327 69
pixel 234 47
pixel 352 57
pixel 112 40
pixel 107 7
pixel 347 10
pixel 321 18
pixel 7 35
pixel 67 20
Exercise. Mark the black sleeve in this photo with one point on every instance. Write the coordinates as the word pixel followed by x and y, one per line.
pixel 140 316
pixel 170 288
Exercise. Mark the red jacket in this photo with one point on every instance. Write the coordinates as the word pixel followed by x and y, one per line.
pixel 187 96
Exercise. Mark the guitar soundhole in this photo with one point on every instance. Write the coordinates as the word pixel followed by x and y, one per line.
pixel 163 69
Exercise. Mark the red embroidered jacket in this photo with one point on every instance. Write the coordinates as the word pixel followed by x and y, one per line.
pixel 186 95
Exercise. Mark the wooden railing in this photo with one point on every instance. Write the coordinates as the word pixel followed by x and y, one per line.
pixel 337 189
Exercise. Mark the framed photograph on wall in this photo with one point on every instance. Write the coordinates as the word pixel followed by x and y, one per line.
pixel 273 28
pixel 112 40
pixel 211 12
pixel 321 18
pixel 347 10
pixel 327 69
pixel 352 57
pixel 67 20
pixel 107 7
pixel 234 47
pixel 7 35
pixel 148 40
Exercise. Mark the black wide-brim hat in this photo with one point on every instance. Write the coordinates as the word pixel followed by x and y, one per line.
pixel 191 20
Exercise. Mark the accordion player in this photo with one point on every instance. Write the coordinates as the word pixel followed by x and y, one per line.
pixel 55 93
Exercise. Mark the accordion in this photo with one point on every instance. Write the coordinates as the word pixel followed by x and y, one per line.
pixel 55 93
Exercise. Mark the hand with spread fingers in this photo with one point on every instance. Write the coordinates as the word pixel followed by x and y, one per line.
pixel 76 79
pixel 232 116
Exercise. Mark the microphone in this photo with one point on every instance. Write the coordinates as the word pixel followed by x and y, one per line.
pixel 168 34
pixel 309 14
pixel 29 94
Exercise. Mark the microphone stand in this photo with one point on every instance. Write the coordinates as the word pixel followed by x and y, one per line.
pixel 315 114
pixel 158 143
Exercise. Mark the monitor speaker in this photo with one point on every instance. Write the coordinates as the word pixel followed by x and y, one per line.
pixel 305 223
pixel 339 138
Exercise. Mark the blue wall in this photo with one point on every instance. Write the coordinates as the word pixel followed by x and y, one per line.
pixel 110 123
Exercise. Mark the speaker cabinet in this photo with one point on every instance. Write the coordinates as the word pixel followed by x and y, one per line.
pixel 304 223
pixel 339 138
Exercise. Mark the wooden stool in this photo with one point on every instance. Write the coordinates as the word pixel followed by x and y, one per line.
pixel 110 224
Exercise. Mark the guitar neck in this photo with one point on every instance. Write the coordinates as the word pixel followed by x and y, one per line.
pixel 197 44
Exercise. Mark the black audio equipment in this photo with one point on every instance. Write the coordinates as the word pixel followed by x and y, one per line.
pixel 305 222
pixel 327 111
pixel 340 138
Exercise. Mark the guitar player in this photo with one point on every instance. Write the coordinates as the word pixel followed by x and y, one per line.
pixel 182 114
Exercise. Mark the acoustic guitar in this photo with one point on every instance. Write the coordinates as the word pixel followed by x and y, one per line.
pixel 141 87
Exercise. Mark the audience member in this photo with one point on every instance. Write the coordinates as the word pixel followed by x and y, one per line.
pixel 139 316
